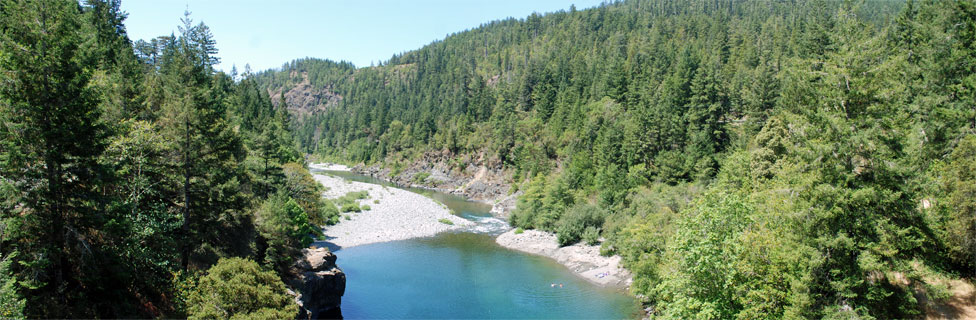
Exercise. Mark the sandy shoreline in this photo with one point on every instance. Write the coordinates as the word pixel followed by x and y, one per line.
pixel 395 214
pixel 582 259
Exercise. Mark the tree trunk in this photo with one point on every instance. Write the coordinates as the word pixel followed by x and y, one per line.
pixel 185 258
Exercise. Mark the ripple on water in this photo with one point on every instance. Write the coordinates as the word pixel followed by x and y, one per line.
pixel 487 225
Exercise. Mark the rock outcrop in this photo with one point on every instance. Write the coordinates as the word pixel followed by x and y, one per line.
pixel 303 98
pixel 320 283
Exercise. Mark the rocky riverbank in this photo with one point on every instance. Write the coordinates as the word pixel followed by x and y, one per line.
pixel 394 214
pixel 475 177
pixel 486 181
pixel 584 260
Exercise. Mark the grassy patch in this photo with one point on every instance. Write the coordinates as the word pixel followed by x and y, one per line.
pixel 519 230
pixel 349 203
pixel 365 207
pixel 420 177
pixel 350 207
pixel 446 221
pixel 357 195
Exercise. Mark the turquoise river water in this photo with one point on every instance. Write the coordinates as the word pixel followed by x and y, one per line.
pixel 464 275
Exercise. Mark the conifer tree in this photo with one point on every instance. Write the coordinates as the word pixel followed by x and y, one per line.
pixel 52 139
pixel 207 151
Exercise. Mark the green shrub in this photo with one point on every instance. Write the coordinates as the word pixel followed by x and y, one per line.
pixel 330 211
pixel 351 207
pixel 446 221
pixel 569 229
pixel 11 303
pixel 591 236
pixel 366 207
pixel 377 201
pixel 519 230
pixel 349 203
pixel 284 229
pixel 420 177
pixel 237 288
pixel 307 192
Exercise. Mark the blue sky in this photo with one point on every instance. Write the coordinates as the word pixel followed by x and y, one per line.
pixel 267 34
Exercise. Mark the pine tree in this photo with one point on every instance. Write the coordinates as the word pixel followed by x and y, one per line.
pixel 207 150
pixel 54 138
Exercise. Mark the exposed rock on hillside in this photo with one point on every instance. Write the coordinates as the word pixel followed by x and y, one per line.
pixel 304 98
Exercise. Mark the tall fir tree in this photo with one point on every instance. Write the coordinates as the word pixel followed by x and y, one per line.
pixel 52 139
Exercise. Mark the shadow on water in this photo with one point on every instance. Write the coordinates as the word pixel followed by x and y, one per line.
pixel 325 243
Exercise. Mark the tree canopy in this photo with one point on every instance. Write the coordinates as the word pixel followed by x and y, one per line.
pixel 746 158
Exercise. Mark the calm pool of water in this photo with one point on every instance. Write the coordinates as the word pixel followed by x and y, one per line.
pixel 466 275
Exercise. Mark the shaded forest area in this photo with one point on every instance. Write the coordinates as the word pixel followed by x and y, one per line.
pixel 128 170
pixel 747 159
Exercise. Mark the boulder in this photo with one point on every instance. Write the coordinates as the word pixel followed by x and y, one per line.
pixel 321 284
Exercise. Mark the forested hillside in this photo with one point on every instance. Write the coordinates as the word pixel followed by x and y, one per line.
pixel 747 159
pixel 128 169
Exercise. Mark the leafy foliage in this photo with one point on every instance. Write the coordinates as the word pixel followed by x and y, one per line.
pixel 284 229
pixel 747 159
pixel 126 168
pixel 237 288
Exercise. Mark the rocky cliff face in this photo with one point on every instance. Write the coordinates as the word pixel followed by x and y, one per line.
pixel 320 283
pixel 303 98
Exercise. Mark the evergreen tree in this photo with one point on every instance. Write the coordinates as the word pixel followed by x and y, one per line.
pixel 53 138
pixel 207 151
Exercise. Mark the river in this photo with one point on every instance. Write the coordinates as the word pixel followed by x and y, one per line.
pixel 463 275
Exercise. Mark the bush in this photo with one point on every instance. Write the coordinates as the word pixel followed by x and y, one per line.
pixel 519 230
pixel 351 207
pixel 307 192
pixel 236 288
pixel 11 303
pixel 569 229
pixel 284 229
pixel 591 236
pixel 366 207
pixel 349 203
pixel 446 221
pixel 330 211
pixel 420 178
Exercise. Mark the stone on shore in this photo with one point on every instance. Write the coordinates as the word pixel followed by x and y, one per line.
pixel 584 260
pixel 395 214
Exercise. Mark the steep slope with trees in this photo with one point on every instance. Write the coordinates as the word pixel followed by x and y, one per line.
pixel 128 169
pixel 746 158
